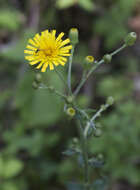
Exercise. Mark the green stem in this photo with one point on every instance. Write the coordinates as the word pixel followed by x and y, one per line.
pixel 83 142
pixel 54 91
pixel 83 80
pixel 118 50
pixel 69 70
pixel 98 113
pixel 60 94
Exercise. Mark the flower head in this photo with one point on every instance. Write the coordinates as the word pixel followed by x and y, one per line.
pixel 71 111
pixel 89 59
pixel 47 50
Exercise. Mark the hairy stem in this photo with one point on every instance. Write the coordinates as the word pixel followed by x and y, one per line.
pixel 69 71
pixel 84 149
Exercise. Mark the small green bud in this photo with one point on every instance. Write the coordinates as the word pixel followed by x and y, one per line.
pixel 35 85
pixel 98 133
pixel 38 77
pixel 107 58
pixel 51 88
pixel 71 112
pixel 74 36
pixel 70 99
pixel 110 100
pixel 75 140
pixel 100 157
pixel 130 39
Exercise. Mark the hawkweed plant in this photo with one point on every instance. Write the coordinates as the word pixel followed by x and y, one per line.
pixel 47 51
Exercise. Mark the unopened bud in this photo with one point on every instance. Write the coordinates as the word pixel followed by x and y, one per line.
pixel 110 100
pixel 51 89
pixel 38 77
pixel 35 85
pixel 88 62
pixel 70 99
pixel 71 112
pixel 130 38
pixel 107 58
pixel 98 133
pixel 100 157
pixel 74 36
pixel 75 140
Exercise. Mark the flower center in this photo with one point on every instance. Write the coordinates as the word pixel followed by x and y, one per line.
pixel 48 52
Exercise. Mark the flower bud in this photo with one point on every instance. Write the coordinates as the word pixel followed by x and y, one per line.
pixel 88 61
pixel 98 133
pixel 130 38
pixel 100 157
pixel 107 58
pixel 35 85
pixel 38 77
pixel 110 100
pixel 71 112
pixel 73 35
pixel 75 140
pixel 51 89
pixel 70 99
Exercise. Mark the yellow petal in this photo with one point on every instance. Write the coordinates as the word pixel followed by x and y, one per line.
pixel 56 63
pixel 30 47
pixel 51 66
pixel 40 65
pixel 59 36
pixel 45 32
pixel 32 42
pixel 29 58
pixel 64 42
pixel 63 59
pixel 63 51
pixel 53 33
pixel 62 63
pixel 66 47
pixel 44 67
pixel 29 52
pixel 65 54
pixel 33 62
pixel 37 39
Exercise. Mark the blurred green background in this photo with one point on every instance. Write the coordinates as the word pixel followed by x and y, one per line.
pixel 34 130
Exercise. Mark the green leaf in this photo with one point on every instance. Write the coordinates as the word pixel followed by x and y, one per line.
pixel 4 96
pixel 11 168
pixel 9 186
pixel 10 19
pixel 63 4
pixel 88 5
pixel 39 107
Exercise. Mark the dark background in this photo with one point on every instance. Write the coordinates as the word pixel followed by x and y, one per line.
pixel 34 130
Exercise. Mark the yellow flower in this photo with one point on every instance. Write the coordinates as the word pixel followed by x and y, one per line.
pixel 47 50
